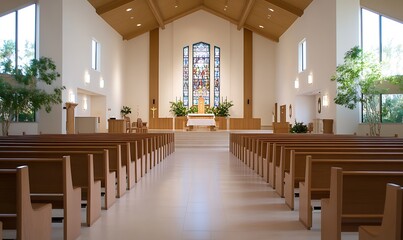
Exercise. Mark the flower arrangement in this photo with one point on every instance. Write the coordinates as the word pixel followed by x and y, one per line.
pixel 299 127
pixel 178 108
pixel 222 110
pixel 125 111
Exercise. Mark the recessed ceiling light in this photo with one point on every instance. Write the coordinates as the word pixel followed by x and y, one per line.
pixel 129 9
pixel 131 17
pixel 138 24
pixel 271 9
pixel 261 26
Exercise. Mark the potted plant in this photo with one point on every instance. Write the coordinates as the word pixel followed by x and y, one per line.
pixel 19 92
pixel 360 80
pixel 178 109
pixel 222 110
pixel 299 127
pixel 125 111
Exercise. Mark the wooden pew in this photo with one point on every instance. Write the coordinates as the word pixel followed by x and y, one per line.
pixel 82 172
pixel 255 147
pixel 143 151
pixel 32 221
pixel 392 222
pixel 282 151
pixel 114 150
pixel 296 173
pixel 317 179
pixel 51 182
pixel 356 198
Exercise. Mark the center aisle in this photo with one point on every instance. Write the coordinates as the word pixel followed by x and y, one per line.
pixel 203 194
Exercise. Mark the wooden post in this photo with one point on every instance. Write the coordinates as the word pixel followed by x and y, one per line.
pixel 70 117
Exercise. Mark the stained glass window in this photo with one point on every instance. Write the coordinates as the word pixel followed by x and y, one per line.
pixel 201 73
pixel 186 76
pixel 216 76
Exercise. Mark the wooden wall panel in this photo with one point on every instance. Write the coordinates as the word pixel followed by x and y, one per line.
pixel 245 123
pixel 162 123
pixel 248 76
pixel 154 78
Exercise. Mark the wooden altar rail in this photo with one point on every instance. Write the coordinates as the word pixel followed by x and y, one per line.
pixel 234 123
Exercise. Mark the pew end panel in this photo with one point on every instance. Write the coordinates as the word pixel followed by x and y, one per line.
pixel 392 222
pixel 32 221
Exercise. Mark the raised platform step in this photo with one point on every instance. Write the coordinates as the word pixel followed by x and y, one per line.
pixel 202 139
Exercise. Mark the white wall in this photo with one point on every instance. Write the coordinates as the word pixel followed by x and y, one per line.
pixel 81 25
pixel 264 73
pixel 50 45
pixel 348 12
pixel 136 85
pixel 302 109
pixel 196 27
pixel 318 27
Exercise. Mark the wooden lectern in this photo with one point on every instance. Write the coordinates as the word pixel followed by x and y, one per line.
pixel 70 129
pixel 200 105
pixel 282 126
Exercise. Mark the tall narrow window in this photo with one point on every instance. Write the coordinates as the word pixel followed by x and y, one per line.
pixel 17 46
pixel 201 73
pixel 217 79
pixel 7 42
pixel 26 35
pixel 383 37
pixel 186 76
pixel 302 56
pixel 95 55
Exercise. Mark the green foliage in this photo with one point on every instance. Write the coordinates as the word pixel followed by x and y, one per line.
pixel 299 127
pixel 392 109
pixel 192 109
pixel 178 108
pixel 125 111
pixel 19 92
pixel 359 80
pixel 222 110
pixel 6 54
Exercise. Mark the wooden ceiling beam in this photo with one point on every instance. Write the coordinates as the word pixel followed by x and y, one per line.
pixel 262 33
pixel 183 14
pixel 156 12
pixel 287 7
pixel 218 14
pixel 111 5
pixel 245 13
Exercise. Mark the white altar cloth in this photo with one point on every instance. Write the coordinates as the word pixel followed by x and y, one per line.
pixel 200 120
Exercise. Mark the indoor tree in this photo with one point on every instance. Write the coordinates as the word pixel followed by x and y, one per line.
pixel 360 80
pixel 19 89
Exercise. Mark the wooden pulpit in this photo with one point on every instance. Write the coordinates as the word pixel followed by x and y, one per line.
pixel 200 106
pixel 70 128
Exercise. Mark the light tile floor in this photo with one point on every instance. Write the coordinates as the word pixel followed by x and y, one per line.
pixel 202 194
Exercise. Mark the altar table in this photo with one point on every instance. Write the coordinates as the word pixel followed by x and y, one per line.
pixel 206 119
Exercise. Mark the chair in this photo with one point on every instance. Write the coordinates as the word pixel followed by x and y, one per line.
pixel 127 125
pixel 139 126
